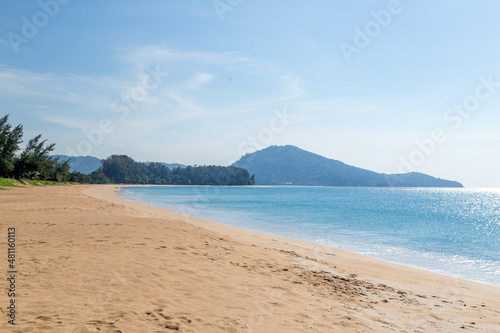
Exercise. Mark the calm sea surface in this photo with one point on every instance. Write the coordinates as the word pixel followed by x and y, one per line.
pixel 451 231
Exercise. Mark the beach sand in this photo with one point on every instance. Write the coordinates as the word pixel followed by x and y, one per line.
pixel 88 260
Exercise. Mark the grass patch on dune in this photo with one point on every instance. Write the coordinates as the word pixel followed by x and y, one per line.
pixel 5 183
pixel 39 182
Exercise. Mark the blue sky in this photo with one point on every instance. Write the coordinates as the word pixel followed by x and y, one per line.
pixel 390 86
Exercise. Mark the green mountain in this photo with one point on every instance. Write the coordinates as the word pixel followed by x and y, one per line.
pixel 289 165
pixel 82 164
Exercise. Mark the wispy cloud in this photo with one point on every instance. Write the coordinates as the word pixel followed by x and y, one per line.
pixel 143 56
pixel 184 102
pixel 71 88
pixel 221 96
pixel 293 86
pixel 199 80
pixel 77 123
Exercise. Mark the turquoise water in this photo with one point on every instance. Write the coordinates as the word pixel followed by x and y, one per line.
pixel 450 231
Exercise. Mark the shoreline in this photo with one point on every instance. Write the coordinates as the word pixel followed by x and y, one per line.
pixel 92 261
pixel 319 249
pixel 312 244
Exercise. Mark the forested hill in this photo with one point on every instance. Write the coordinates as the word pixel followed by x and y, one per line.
pixel 89 164
pixel 279 165
pixel 121 169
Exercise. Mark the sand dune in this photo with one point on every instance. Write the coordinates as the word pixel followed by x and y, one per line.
pixel 90 261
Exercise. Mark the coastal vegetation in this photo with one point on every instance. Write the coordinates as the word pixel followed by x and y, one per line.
pixel 124 170
pixel 34 165
pixel 34 162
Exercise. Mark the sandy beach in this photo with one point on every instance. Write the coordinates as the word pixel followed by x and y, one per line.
pixel 87 260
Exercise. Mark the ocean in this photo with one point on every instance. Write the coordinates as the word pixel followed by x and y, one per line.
pixel 455 232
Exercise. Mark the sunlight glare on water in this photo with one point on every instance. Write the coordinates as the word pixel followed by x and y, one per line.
pixel 450 231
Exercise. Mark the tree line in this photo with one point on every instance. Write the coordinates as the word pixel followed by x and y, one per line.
pixel 35 162
pixel 122 169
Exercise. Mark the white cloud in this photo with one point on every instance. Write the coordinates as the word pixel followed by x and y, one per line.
pixel 70 88
pixel 141 57
pixel 186 103
pixel 65 121
pixel 199 80
pixel 94 94
pixel 293 85
pixel 189 104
